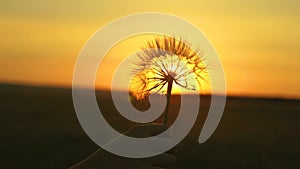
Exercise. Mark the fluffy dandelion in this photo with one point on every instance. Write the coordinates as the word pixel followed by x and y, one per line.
pixel 165 61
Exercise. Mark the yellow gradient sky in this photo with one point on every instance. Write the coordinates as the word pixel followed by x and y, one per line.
pixel 258 41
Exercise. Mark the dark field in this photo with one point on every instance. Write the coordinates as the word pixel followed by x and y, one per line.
pixel 39 130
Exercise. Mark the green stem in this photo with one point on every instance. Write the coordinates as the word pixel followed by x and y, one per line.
pixel 170 84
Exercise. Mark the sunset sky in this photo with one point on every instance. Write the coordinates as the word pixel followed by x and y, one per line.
pixel 258 41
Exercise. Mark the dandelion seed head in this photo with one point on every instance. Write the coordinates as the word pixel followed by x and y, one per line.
pixel 166 59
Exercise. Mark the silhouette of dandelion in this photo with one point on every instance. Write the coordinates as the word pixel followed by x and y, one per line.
pixel 164 61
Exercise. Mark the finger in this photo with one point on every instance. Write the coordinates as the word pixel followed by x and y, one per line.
pixel 164 160
pixel 158 167
pixel 146 130
pixel 154 129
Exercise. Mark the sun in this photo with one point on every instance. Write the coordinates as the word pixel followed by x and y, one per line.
pixel 176 89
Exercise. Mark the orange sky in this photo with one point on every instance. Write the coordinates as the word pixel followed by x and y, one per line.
pixel 258 41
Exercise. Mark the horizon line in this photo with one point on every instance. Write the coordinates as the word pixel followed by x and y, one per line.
pixel 230 95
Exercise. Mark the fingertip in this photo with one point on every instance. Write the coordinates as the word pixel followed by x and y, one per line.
pixel 158 167
pixel 164 160
pixel 155 128
pixel 146 130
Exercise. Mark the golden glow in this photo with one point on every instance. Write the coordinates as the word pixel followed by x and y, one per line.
pixel 258 42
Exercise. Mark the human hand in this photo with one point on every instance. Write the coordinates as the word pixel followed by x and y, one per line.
pixel 103 159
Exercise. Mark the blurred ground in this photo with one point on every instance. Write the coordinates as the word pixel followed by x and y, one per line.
pixel 39 129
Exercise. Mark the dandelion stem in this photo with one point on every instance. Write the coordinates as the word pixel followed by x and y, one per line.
pixel 169 90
